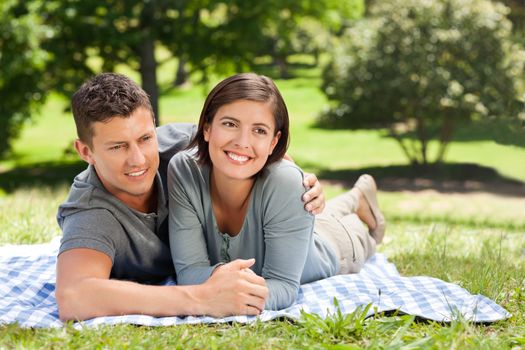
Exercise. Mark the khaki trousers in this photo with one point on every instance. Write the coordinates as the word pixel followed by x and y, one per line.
pixel 348 236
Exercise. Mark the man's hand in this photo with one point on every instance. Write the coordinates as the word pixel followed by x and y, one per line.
pixel 314 197
pixel 234 289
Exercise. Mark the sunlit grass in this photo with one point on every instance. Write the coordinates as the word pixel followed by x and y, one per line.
pixel 29 215
pixel 488 261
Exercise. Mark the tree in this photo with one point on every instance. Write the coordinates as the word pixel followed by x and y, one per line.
pixel 419 68
pixel 239 31
pixel 108 32
pixel 303 26
pixel 22 65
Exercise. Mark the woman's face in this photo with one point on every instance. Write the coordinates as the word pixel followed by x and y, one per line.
pixel 240 138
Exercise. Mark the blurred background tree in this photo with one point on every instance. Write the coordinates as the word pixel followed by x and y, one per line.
pixel 420 68
pixel 22 68
pixel 515 132
pixel 206 36
pixel 95 36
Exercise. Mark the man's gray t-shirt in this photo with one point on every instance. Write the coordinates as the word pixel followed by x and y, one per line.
pixel 137 243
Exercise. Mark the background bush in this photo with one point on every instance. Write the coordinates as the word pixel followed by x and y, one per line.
pixel 421 68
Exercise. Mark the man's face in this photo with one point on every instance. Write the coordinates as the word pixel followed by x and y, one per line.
pixel 125 155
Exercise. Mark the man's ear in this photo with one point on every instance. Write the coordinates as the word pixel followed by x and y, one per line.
pixel 84 151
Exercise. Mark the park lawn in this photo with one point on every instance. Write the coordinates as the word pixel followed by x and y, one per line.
pixel 474 238
pixel 485 260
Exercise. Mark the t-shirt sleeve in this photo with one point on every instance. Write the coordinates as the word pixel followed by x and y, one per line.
pixel 94 229
pixel 172 138
pixel 187 241
pixel 288 231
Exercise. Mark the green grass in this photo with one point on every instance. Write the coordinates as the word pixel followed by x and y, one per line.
pixel 487 261
pixel 463 223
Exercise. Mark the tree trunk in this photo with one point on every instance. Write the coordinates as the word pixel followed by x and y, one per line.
pixel 148 63
pixel 283 67
pixel 446 135
pixel 316 54
pixel 182 75
pixel 368 5
pixel 412 157
pixel 423 139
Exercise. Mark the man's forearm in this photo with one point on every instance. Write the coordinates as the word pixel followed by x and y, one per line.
pixel 93 297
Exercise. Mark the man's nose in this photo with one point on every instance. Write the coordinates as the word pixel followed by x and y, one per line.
pixel 135 155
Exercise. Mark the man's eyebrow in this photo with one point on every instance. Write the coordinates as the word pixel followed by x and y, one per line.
pixel 111 142
pixel 116 142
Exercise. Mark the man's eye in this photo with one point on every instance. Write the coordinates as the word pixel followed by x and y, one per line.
pixel 146 138
pixel 116 147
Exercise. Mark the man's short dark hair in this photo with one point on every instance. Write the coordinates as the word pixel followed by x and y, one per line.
pixel 104 97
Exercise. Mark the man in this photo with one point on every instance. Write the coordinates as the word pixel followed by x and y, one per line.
pixel 115 218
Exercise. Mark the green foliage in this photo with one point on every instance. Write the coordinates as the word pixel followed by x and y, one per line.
pixel 241 31
pixel 335 326
pixel 93 36
pixel 421 68
pixel 209 36
pixel 21 69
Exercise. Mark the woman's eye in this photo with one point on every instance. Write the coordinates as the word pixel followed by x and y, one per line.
pixel 260 131
pixel 228 124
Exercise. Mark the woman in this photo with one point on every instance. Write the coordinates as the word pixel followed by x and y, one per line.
pixel 233 196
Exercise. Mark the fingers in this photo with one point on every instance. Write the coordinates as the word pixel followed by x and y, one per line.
pixel 252 277
pixel 250 310
pixel 314 197
pixel 255 302
pixel 256 290
pixel 316 206
pixel 238 264
pixel 310 180
pixel 252 296
pixel 235 290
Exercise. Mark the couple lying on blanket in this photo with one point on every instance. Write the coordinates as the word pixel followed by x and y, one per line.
pixel 236 232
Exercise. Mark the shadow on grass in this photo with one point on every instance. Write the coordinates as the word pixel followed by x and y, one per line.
pixel 50 174
pixel 500 131
pixel 446 178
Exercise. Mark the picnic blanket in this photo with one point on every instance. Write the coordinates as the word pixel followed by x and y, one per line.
pixel 27 294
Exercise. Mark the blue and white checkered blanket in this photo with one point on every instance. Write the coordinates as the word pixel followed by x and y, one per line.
pixel 27 294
